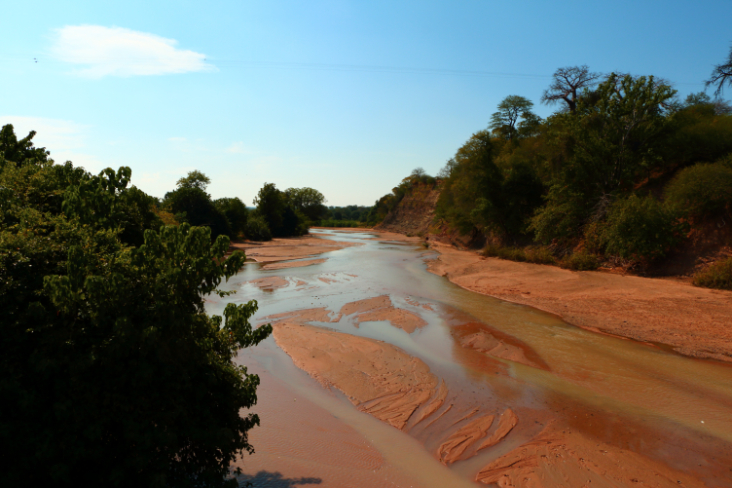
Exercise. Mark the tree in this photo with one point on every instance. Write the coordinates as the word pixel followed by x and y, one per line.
pixel 113 375
pixel 307 200
pixel 236 214
pixel 190 203
pixel 271 205
pixel 510 110
pixel 195 179
pixel 721 74
pixel 18 151
pixel 568 85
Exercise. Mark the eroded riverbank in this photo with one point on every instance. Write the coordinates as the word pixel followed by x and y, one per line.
pixel 480 390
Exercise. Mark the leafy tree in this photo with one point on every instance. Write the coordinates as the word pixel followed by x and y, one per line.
pixel 257 228
pixel 568 85
pixel 641 229
pixel 18 151
pixel 194 179
pixel 282 217
pixel 190 203
pixel 308 201
pixel 510 110
pixel 721 74
pixel 113 375
pixel 236 214
pixel 271 204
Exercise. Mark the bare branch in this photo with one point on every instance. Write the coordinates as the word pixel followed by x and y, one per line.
pixel 567 85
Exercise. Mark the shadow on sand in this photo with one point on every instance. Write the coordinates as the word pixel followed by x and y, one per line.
pixel 265 479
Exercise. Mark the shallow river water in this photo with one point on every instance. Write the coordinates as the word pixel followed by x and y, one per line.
pixel 672 409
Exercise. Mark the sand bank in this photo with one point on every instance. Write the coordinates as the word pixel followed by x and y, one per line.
pixel 560 456
pixel 693 321
pixel 287 249
pixel 377 378
pixel 381 308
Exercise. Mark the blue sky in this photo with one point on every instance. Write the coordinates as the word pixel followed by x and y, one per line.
pixel 343 96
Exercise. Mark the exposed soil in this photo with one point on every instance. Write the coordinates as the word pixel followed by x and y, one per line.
pixel 693 321
pixel 287 249
pixel 381 308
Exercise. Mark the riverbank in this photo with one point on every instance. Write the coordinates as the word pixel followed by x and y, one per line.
pixel 693 321
pixel 288 249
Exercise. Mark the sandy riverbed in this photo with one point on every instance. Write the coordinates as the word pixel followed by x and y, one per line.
pixel 400 390
pixel 693 321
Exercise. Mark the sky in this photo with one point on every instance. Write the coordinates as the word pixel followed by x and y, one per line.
pixel 347 97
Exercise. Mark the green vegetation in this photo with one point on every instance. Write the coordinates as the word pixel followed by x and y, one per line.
pixel 113 374
pixel 581 261
pixel 702 190
pixel 718 275
pixel 536 255
pixel 623 169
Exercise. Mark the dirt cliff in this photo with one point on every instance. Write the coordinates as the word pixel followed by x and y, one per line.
pixel 414 215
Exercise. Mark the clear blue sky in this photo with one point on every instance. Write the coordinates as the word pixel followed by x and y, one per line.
pixel 343 96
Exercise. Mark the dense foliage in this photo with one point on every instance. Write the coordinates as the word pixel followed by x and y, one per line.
pixel 622 169
pixel 113 375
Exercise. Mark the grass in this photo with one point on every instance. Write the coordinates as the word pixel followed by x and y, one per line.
pixel 718 275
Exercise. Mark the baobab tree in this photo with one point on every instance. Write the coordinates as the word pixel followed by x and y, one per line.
pixel 722 73
pixel 568 85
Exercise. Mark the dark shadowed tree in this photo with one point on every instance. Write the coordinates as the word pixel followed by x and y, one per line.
pixel 236 214
pixel 18 151
pixel 112 372
pixel 568 85
pixel 307 200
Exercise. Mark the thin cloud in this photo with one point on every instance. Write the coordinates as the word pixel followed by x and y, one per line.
pixel 115 51
pixel 239 148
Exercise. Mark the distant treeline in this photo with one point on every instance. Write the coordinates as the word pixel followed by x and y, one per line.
pixel 276 213
pixel 621 172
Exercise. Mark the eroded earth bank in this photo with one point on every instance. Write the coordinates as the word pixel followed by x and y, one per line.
pixel 380 373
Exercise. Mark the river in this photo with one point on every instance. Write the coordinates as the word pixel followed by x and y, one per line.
pixel 616 396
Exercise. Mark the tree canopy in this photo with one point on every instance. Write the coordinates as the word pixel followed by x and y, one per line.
pixel 113 374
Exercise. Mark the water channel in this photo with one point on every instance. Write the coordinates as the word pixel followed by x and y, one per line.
pixel 669 408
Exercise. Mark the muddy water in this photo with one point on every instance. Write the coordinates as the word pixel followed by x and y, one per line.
pixel 636 397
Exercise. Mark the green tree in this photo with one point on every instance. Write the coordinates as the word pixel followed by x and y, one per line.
pixel 113 375
pixel 271 204
pixel 194 179
pixel 18 151
pixel 236 214
pixel 307 200
pixel 510 110
pixel 190 203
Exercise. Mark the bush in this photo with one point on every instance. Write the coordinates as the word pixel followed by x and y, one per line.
pixel 582 261
pixel 718 275
pixel 640 229
pixel 257 229
pixel 703 189
pixel 539 255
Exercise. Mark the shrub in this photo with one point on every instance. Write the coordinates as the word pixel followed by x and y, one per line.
pixel 702 189
pixel 539 255
pixel 257 229
pixel 582 261
pixel 640 229
pixel 718 275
